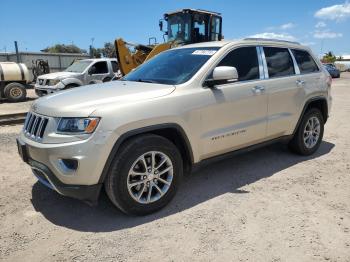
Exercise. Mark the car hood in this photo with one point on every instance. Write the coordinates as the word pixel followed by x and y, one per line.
pixel 83 101
pixel 59 75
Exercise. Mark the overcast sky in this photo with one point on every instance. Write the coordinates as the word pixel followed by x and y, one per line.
pixel 323 25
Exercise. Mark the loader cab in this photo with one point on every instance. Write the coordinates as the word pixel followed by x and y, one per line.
pixel 193 26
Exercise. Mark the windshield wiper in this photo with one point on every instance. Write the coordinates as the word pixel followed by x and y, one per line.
pixel 146 80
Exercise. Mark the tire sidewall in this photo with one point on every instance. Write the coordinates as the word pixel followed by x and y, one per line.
pixel 118 179
pixel 9 87
pixel 307 116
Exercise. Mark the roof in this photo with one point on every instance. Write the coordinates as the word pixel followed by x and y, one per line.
pixel 188 10
pixel 100 59
pixel 254 41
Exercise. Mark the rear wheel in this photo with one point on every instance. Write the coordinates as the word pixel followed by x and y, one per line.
pixel 15 92
pixel 308 137
pixel 145 175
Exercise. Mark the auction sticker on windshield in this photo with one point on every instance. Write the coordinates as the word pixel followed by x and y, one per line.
pixel 204 52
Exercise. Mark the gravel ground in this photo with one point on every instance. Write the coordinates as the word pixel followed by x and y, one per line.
pixel 21 107
pixel 266 205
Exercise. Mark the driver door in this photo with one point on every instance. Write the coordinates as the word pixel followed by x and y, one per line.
pixel 97 72
pixel 236 115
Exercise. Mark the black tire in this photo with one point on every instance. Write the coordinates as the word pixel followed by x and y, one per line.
pixel 297 144
pixel 70 86
pixel 107 79
pixel 40 93
pixel 116 181
pixel 15 92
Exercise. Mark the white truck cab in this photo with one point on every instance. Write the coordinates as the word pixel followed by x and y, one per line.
pixel 81 72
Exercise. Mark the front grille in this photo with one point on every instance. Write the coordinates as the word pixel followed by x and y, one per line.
pixel 35 125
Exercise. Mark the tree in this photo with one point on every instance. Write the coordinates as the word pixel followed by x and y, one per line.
pixel 96 52
pixel 62 48
pixel 108 50
pixel 329 57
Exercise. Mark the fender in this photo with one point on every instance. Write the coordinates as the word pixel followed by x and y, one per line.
pixel 68 81
pixel 143 130
pixel 307 103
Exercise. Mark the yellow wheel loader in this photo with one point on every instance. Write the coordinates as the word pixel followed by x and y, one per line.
pixel 184 27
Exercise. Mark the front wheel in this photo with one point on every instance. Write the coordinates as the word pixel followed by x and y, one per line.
pixel 145 175
pixel 308 137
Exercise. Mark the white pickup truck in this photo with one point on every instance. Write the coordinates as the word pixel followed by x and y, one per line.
pixel 81 72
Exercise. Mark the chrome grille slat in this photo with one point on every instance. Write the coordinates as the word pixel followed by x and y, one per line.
pixel 32 130
pixel 31 123
pixel 34 126
pixel 40 127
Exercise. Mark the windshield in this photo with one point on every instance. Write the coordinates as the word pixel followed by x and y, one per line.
pixel 172 67
pixel 78 66
pixel 179 27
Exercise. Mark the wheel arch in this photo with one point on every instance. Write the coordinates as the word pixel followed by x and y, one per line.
pixel 320 103
pixel 72 81
pixel 171 131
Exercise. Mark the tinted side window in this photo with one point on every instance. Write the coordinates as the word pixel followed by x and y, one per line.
pixel 115 66
pixel 245 59
pixel 305 61
pixel 101 68
pixel 279 62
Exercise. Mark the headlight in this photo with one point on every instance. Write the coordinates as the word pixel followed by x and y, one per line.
pixel 77 125
pixel 53 82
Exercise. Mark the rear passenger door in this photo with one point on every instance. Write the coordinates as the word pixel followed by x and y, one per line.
pixel 310 74
pixel 284 91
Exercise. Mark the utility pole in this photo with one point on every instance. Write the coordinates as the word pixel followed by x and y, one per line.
pixel 17 54
pixel 91 47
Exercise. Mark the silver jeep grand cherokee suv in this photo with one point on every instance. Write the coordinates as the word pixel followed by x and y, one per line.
pixel 138 136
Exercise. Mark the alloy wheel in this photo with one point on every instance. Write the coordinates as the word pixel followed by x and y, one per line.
pixel 150 177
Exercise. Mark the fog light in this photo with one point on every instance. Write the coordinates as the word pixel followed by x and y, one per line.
pixel 68 165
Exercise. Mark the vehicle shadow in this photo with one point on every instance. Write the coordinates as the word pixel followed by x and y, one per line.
pixel 5 101
pixel 210 181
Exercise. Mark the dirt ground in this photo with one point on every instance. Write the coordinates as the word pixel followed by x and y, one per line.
pixel 266 205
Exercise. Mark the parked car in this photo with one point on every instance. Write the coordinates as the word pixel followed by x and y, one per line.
pixel 14 80
pixel 81 72
pixel 137 137
pixel 332 70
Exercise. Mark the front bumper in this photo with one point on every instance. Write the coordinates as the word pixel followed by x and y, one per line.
pixel 47 178
pixel 41 90
pixel 45 175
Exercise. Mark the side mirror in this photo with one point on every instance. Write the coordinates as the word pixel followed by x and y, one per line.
pixel 160 25
pixel 222 75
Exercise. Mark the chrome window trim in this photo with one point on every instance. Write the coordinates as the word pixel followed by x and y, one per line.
pixel 296 67
pixel 261 65
pixel 266 70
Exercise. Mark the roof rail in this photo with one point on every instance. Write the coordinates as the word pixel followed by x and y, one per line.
pixel 271 39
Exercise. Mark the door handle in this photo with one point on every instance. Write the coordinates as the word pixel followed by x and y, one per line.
pixel 300 82
pixel 258 89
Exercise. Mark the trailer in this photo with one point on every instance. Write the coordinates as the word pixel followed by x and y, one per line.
pixel 14 80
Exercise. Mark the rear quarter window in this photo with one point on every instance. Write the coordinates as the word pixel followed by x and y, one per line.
pixel 305 61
